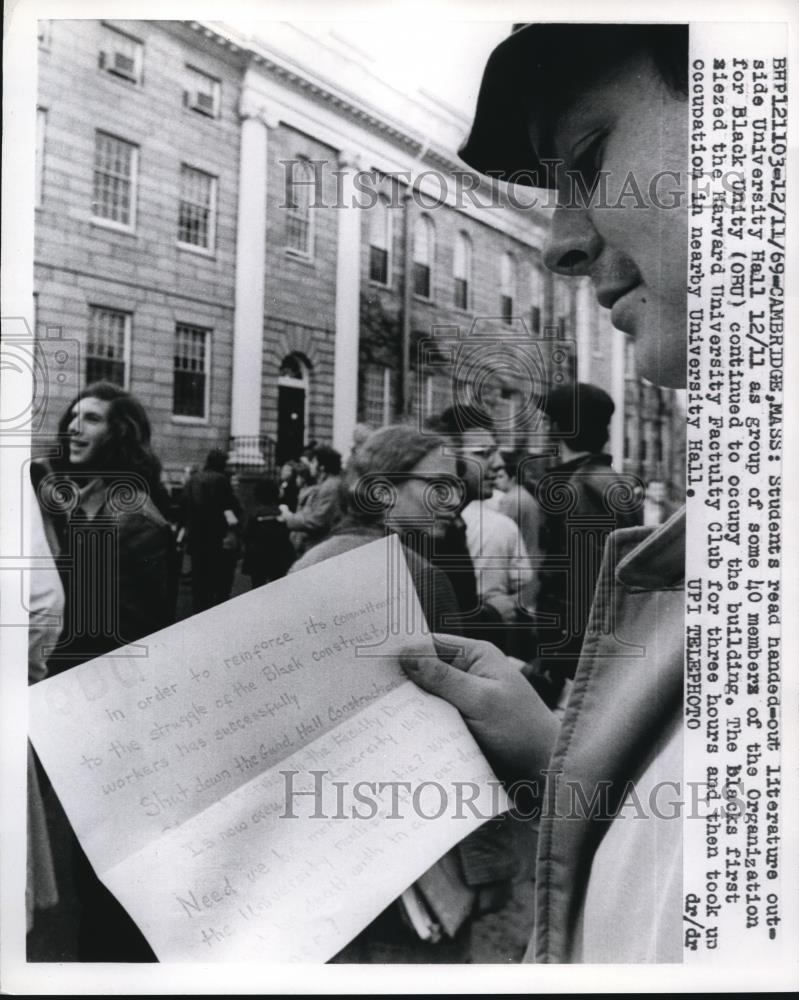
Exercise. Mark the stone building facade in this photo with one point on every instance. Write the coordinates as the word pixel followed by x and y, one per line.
pixel 268 243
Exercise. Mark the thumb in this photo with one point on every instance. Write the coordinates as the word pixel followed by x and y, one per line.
pixel 439 678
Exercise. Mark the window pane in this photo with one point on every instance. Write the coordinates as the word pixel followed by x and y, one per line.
pixel 105 345
pixel 421 280
pixel 461 294
pixel 300 189
pixel 463 257
pixel 113 177
pixel 507 276
pixel 195 222
pixel 423 240
pixel 190 371
pixel 378 225
pixel 378 265
pixel 378 395
pixel 121 55
pixel 506 306
pixel 202 92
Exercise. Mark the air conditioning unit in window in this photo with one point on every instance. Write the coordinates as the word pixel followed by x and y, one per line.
pixel 119 64
pixel 199 100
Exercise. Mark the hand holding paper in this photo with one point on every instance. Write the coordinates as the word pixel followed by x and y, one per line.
pixel 266 781
pixel 512 725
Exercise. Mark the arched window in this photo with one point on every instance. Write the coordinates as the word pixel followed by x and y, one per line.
pixel 380 242
pixel 300 189
pixel 536 298
pixel 424 253
pixel 462 270
pixel 507 286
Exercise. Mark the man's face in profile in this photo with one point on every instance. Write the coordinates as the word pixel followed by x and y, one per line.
pixel 627 124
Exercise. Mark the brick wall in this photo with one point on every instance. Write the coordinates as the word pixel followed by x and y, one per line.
pixel 81 262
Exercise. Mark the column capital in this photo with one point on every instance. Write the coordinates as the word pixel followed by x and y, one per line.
pixel 348 159
pixel 252 105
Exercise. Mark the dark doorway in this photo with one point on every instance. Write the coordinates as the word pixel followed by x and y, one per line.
pixel 290 422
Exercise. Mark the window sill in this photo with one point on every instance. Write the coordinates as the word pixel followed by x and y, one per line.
pixel 195 113
pixel 121 78
pixel 199 251
pixel 300 257
pixel 196 421
pixel 379 284
pixel 115 227
pixel 424 299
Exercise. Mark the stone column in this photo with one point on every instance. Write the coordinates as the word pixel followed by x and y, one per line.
pixel 245 406
pixel 587 310
pixel 348 306
pixel 617 341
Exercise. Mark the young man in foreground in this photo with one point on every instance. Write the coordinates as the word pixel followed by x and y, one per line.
pixel 569 107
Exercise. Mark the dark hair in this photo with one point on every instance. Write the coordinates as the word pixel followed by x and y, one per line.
pixel 591 438
pixel 328 458
pixel 267 491
pixel 455 420
pixel 582 412
pixel 216 460
pixel 295 467
pixel 128 447
pixel 510 459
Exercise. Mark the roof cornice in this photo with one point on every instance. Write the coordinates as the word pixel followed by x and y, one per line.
pixel 353 107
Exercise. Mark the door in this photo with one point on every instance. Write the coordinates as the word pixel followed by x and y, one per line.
pixel 290 422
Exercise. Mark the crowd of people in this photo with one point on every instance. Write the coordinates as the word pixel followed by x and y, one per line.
pixel 485 547
pixel 548 581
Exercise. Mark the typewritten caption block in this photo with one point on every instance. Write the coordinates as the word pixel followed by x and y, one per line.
pixel 736 307
pixel 266 781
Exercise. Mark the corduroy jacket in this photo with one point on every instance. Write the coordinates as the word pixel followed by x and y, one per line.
pixel 623 718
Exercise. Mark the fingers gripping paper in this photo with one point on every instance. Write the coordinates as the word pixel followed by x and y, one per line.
pixel 265 780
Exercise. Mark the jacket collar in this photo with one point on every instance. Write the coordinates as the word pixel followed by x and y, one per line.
pixel 91 497
pixel 658 560
pixel 599 459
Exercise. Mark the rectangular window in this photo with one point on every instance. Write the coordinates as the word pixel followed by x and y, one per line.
pixel 629 357
pixel 421 280
pixel 41 128
pixel 378 403
pixel 462 270
pixel 197 209
pixel 461 293
pixel 201 92
pixel 115 163
pixel 190 386
pixel 380 242
pixel 107 346
pixel 121 54
pixel 506 308
pixel 378 265
pixel 300 187
pixel 535 319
